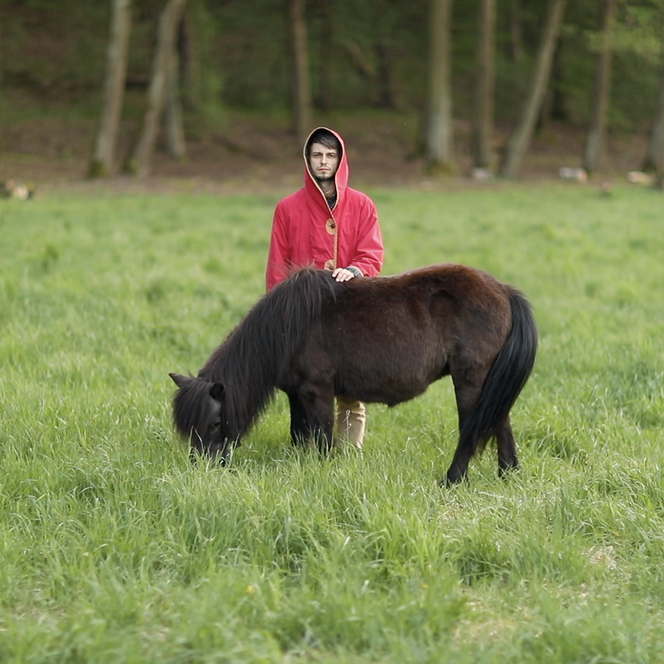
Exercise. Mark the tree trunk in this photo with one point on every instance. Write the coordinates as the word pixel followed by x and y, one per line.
pixel 387 90
pixel 438 122
pixel 302 111
pixel 559 106
pixel 659 179
pixel 597 130
pixel 360 61
pixel 554 104
pixel 175 141
pixel 140 162
pixel 517 144
pixel 484 85
pixel 516 34
pixel 388 96
pixel 104 153
pixel 325 99
pixel 189 61
pixel 654 160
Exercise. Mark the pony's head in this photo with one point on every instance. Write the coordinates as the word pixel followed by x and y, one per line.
pixel 199 415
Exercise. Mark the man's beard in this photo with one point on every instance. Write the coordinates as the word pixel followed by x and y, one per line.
pixel 323 178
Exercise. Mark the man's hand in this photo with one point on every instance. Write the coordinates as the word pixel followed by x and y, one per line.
pixel 342 274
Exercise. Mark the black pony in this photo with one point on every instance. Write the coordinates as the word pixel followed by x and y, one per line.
pixel 384 340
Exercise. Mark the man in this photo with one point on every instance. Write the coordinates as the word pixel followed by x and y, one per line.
pixel 333 227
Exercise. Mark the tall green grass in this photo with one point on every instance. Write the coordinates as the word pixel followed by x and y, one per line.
pixel 113 547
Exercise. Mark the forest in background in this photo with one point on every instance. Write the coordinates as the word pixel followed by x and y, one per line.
pixel 239 57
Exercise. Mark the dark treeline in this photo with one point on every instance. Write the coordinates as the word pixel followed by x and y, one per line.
pixel 351 54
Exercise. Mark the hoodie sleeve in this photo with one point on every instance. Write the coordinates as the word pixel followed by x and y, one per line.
pixel 278 258
pixel 368 256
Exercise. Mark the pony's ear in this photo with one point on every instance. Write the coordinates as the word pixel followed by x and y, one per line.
pixel 179 380
pixel 217 391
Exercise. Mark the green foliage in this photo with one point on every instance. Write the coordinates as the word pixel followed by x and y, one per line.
pixel 54 48
pixel 115 548
pixel 57 51
pixel 640 30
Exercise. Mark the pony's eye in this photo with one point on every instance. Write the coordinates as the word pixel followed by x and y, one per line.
pixel 215 426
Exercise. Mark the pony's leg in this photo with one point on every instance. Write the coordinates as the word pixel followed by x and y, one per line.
pixel 458 469
pixel 299 429
pixel 507 458
pixel 318 402
pixel 466 397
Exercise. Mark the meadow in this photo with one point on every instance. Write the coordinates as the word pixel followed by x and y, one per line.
pixel 115 548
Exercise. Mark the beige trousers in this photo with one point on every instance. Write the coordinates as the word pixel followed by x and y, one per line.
pixel 351 422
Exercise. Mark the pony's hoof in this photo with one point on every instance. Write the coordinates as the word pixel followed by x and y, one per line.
pixel 508 471
pixel 453 479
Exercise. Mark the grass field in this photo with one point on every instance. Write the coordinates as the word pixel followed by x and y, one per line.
pixel 114 548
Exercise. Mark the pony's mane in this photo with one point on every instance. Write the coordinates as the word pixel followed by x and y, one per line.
pixel 249 361
pixel 190 406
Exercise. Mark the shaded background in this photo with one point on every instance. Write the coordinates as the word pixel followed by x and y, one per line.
pixel 368 71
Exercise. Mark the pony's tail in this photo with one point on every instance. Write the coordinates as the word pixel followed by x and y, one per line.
pixel 506 378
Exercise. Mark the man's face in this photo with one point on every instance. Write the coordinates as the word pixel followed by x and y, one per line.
pixel 323 162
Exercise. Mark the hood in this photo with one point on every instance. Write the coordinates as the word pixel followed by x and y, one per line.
pixel 340 178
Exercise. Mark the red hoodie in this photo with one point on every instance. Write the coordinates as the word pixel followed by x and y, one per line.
pixel 306 232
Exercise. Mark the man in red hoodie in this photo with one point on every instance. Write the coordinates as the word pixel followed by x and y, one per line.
pixel 330 226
